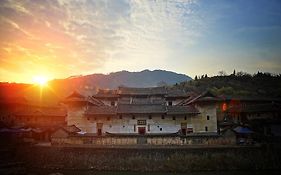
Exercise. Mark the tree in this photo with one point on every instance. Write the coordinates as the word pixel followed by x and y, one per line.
pixel 196 78
pixel 206 76
pixel 222 73
pixel 234 72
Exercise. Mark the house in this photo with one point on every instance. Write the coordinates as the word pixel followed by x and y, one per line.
pixel 143 111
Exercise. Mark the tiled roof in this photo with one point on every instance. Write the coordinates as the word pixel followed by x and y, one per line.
pixel 142 91
pixel 100 110
pixel 71 129
pixel 176 93
pixel 173 110
pixel 204 97
pixel 13 100
pixel 75 94
pixel 140 109
pixel 42 111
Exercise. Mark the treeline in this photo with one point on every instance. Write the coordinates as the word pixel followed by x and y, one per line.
pixel 236 84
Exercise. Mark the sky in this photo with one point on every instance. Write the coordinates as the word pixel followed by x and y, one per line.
pixel 62 38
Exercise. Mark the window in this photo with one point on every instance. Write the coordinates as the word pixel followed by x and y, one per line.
pixel 160 129
pixel 189 130
pixel 148 127
pixel 133 117
pixel 112 103
pixel 174 118
pixel 170 103
pixel 163 116
pixel 108 118
pixel 208 117
pixel 120 116
pixel 206 128
pixel 134 128
pixel 185 117
pixel 141 122
pixel 149 117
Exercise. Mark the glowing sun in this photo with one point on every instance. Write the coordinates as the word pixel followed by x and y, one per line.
pixel 41 80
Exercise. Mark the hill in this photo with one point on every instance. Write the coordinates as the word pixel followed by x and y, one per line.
pixel 88 84
pixel 240 84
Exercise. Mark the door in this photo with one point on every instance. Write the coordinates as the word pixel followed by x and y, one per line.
pixel 99 129
pixel 183 128
pixel 141 130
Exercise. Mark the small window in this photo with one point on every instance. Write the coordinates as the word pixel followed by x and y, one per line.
pixel 148 127
pixel 206 128
pixel 134 128
pixel 112 103
pixel 141 122
pixel 170 103
pixel 185 117
pixel 149 117
pixel 123 126
pixel 133 117
pixel 189 130
pixel 120 116
pixel 108 118
pixel 160 129
pixel 174 118
pixel 162 116
pixel 208 117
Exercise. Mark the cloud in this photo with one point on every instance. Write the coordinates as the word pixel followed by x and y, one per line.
pixel 67 37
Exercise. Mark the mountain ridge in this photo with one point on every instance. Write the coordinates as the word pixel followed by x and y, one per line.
pixel 88 85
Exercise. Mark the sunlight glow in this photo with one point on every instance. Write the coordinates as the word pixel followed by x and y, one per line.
pixel 40 80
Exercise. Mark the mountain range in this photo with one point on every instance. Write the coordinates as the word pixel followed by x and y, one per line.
pixel 89 84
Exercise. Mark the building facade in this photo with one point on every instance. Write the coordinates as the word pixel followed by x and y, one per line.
pixel 142 111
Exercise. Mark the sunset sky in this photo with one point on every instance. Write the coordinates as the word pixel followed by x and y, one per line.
pixel 61 38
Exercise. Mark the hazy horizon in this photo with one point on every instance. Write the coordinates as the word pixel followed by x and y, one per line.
pixel 58 39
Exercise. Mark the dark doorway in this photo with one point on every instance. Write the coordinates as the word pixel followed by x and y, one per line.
pixel 141 130
pixel 99 129
pixel 183 131
pixel 99 132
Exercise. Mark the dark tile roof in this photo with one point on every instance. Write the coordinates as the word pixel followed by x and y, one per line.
pixel 72 129
pixel 13 100
pixel 75 94
pixel 140 109
pixel 41 111
pixel 100 110
pixel 173 110
pixel 176 93
pixel 128 100
pixel 142 91
pixel 203 97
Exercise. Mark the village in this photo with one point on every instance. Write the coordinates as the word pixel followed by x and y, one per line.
pixel 143 117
